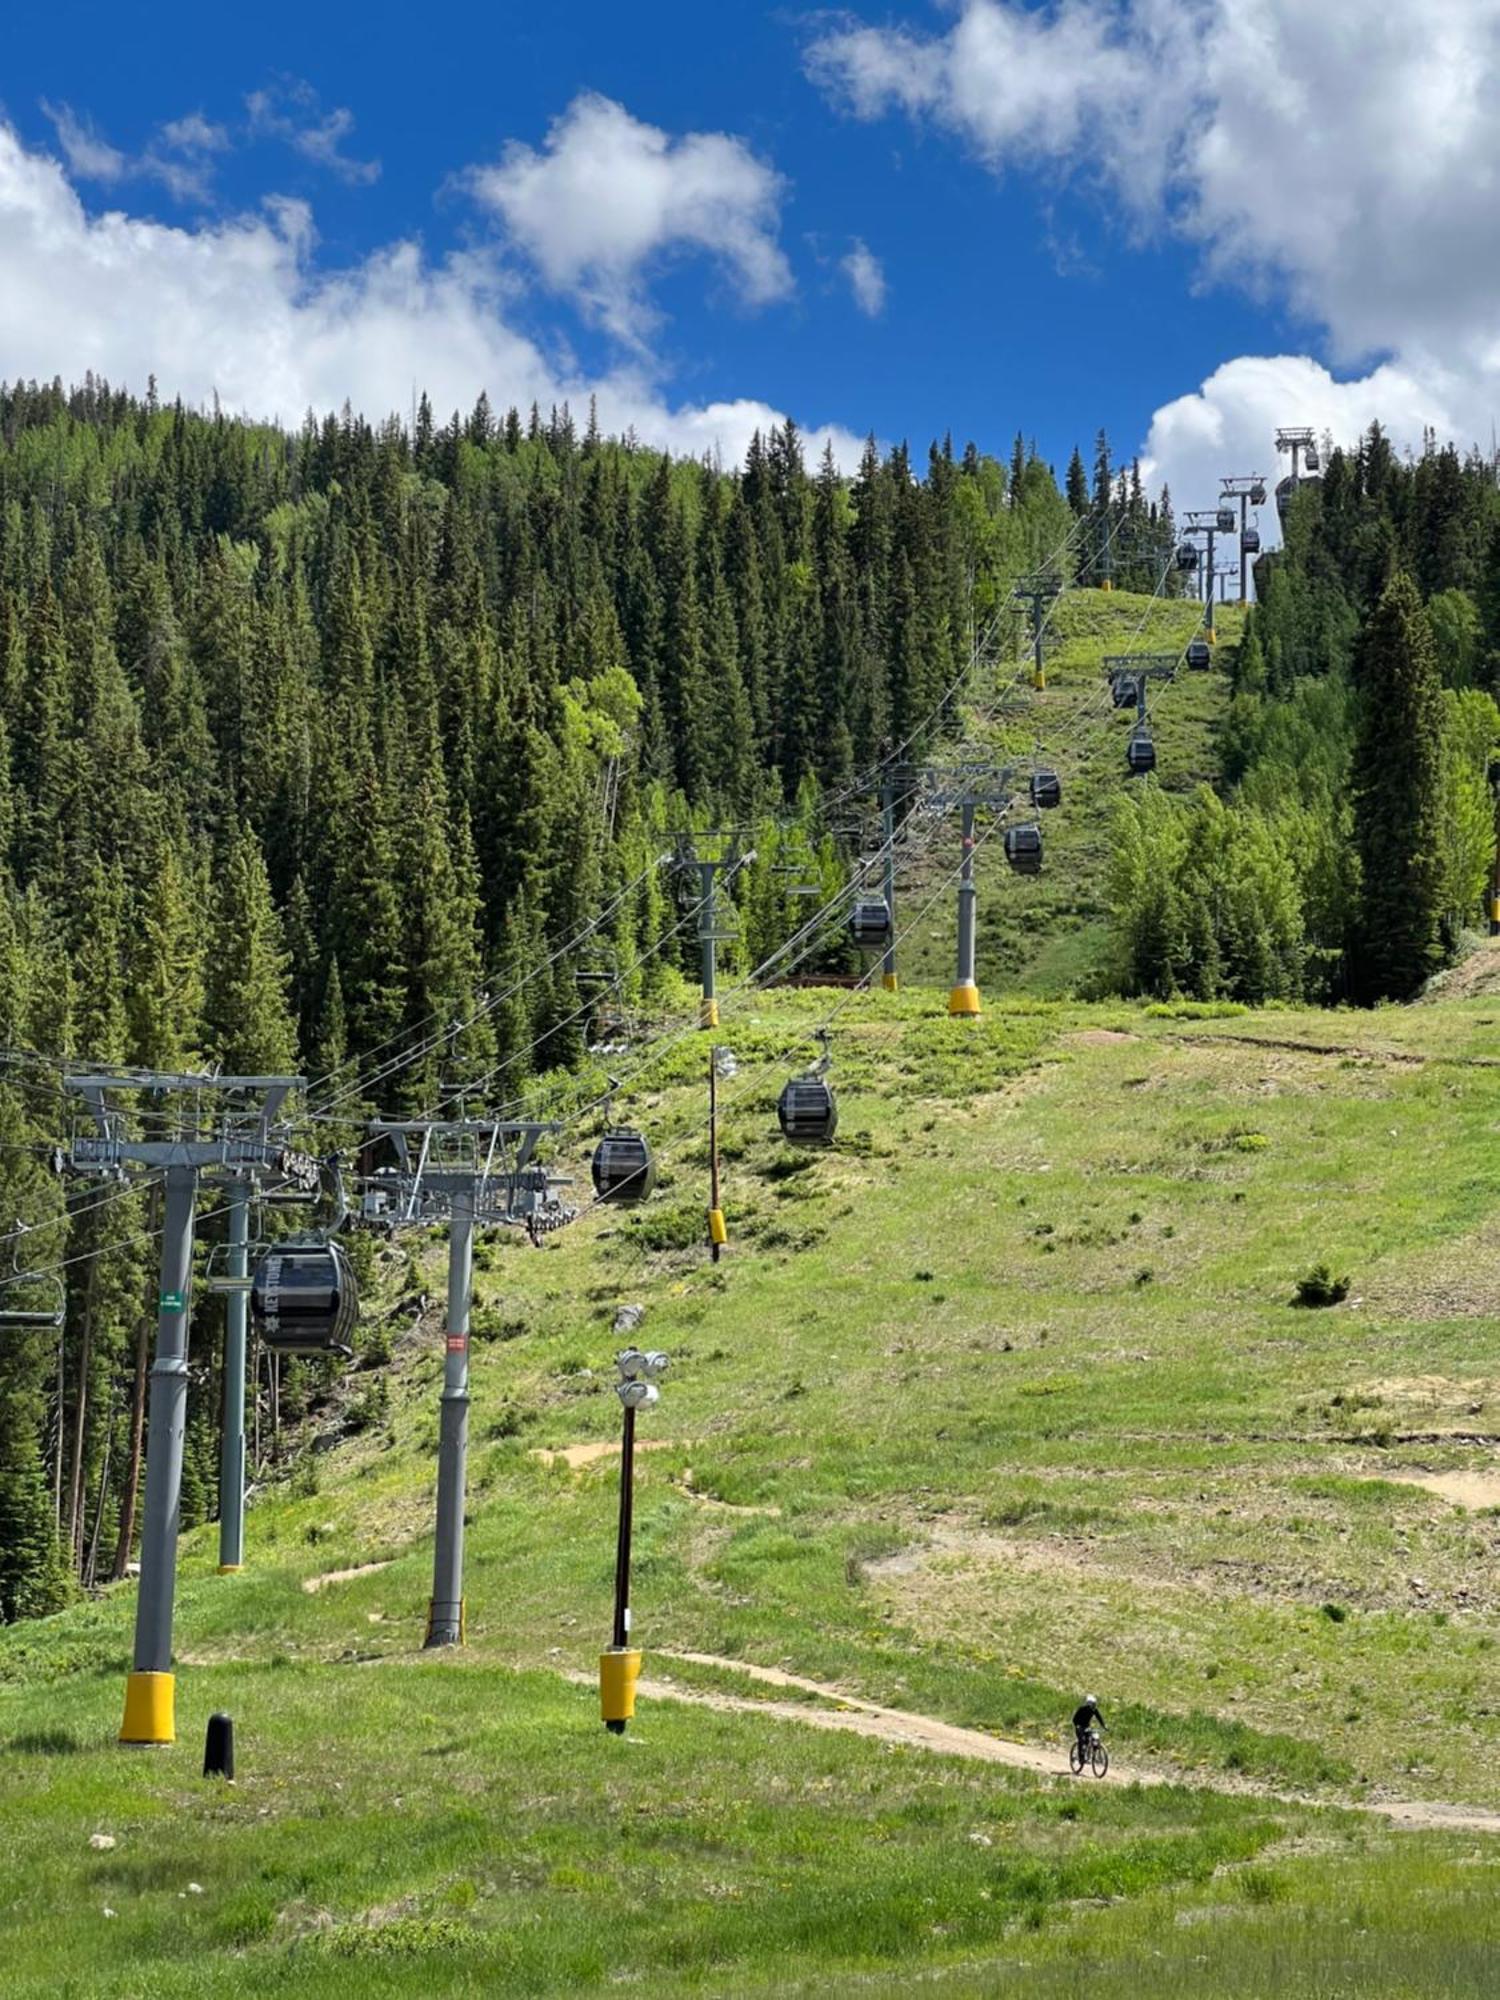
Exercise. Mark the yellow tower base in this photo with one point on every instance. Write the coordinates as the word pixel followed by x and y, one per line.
pixel 1039 681
pixel 964 999
pixel 150 1709
pixel 1107 584
pixel 230 1569
pixel 717 1233
pixel 890 982
pixel 708 1014
pixel 618 1673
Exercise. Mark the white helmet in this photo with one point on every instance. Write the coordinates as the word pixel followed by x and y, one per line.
pixel 1091 1701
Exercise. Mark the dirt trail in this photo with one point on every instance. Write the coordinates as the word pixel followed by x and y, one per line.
pixel 859 1717
pixel 313 1584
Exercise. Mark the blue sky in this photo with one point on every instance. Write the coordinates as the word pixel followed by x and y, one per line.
pixel 1065 215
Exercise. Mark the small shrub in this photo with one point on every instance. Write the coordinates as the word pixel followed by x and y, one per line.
pixel 1319 1287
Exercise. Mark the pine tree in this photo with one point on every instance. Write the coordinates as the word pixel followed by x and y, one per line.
pixel 1397 775
pixel 247 1017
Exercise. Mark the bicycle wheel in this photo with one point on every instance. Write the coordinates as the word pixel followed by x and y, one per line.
pixel 1100 1760
pixel 1075 1758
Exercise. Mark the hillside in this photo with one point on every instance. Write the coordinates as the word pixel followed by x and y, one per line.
pixel 1049 934
pixel 1001 1398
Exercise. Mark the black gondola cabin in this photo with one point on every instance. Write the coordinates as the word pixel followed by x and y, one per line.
pixel 304 1299
pixel 622 1168
pixel 808 1111
pixel 1198 655
pixel 1046 789
pixel 1140 752
pixel 1023 848
pixel 870 923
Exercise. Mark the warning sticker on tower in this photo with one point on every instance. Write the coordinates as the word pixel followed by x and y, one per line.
pixel 457 1343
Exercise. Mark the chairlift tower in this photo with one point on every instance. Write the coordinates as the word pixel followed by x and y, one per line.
pixel 1249 491
pixel 708 867
pixel 967 787
pixel 464 1172
pixel 1038 592
pixel 1301 443
pixel 1207 527
pixel 230 1139
pixel 888 796
pixel 1137 670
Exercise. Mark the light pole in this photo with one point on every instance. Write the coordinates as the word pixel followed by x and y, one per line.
pixel 620 1666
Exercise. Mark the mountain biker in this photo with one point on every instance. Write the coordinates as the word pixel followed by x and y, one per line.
pixel 1085 1716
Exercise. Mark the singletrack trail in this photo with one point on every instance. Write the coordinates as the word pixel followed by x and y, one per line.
pixel 858 1717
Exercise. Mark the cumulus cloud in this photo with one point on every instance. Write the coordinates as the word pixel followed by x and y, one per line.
pixel 290 110
pixel 607 198
pixel 237 309
pixel 1342 156
pixel 866 275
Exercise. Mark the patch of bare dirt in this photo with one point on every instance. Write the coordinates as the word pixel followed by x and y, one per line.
pixel 1472 1490
pixel 1096 1038
pixel 313 1584
pixel 1476 974
pixel 577 1456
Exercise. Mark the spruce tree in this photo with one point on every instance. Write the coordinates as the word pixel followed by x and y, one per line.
pixel 247 1016
pixel 1396 777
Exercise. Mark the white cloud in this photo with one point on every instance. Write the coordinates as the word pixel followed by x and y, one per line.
pixel 92 158
pixel 236 309
pixel 194 134
pixel 1343 155
pixel 866 276
pixel 608 197
pixel 290 110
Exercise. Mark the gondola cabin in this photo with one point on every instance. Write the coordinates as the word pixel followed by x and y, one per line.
pixel 1199 655
pixel 808 1111
pixel 1046 789
pixel 1224 520
pixel 1258 494
pixel 1125 691
pixel 870 923
pixel 623 1169
pixel 1250 541
pixel 304 1299
pixel 1023 849
pixel 1310 458
pixel 1140 753
pixel 1187 558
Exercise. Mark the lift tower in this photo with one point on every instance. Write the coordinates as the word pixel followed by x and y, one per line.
pixel 970 788
pixel 1249 491
pixel 225 1134
pixel 466 1172
pixel 1038 592
pixel 708 856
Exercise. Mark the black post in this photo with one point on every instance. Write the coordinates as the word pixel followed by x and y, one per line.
pixel 622 1547
pixel 713 1156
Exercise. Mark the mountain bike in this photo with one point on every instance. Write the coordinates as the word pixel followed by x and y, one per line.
pixel 1089 1754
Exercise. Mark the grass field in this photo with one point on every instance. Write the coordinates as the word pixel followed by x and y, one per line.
pixel 1003 1397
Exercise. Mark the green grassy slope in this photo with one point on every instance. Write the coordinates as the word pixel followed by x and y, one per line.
pixel 1002 1397
pixel 1047 934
